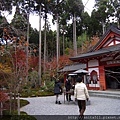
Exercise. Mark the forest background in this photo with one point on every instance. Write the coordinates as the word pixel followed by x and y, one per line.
pixel 32 58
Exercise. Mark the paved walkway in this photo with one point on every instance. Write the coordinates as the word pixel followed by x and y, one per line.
pixel 47 106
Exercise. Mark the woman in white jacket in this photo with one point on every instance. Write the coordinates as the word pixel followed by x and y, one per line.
pixel 81 95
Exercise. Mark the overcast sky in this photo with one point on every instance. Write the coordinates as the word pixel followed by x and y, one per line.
pixel 34 19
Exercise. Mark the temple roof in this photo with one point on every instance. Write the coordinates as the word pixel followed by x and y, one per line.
pixel 73 67
pixel 110 29
pixel 98 52
pixel 99 48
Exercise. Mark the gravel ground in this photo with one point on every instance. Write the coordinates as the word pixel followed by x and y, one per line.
pixel 47 106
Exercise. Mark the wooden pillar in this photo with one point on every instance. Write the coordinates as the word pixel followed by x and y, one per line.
pixel 102 78
pixel 84 78
pixel 65 77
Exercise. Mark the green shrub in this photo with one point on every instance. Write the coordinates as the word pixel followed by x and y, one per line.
pixel 23 102
pixel 22 116
pixel 7 112
pixel 50 86
pixel 44 88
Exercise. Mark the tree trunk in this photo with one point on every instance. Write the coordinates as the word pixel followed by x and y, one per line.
pixel 119 21
pixel 57 43
pixel 39 71
pixel 28 29
pixel 63 42
pixel 74 36
pixel 103 26
pixel 10 102
pixel 14 102
pixel 1 108
pixel 45 46
pixel 18 104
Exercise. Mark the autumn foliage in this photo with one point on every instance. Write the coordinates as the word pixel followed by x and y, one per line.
pixel 3 96
pixel 88 44
pixel 52 65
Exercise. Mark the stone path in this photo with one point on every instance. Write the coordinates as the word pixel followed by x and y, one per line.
pixel 47 106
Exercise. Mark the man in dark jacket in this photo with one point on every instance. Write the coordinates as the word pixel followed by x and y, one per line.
pixel 68 86
pixel 57 91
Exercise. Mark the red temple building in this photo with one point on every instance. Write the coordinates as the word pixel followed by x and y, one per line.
pixel 102 62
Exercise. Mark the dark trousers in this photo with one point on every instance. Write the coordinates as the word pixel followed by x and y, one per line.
pixel 82 106
pixel 68 96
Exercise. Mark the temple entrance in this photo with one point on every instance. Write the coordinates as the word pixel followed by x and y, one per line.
pixel 112 75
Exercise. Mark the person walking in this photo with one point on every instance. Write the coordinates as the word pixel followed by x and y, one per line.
pixel 57 91
pixel 68 86
pixel 81 95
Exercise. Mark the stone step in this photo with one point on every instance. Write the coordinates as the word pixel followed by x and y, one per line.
pixel 108 94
